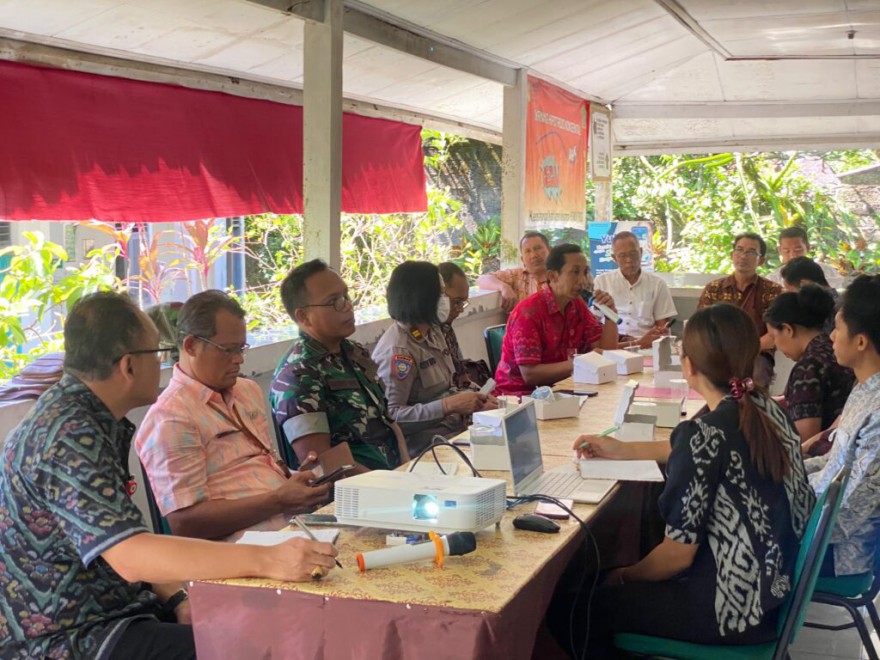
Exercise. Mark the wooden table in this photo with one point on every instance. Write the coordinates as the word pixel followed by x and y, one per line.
pixel 487 604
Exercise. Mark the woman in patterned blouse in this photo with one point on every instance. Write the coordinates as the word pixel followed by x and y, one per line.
pixel 817 386
pixel 735 503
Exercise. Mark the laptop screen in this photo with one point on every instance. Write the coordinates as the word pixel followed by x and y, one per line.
pixel 523 442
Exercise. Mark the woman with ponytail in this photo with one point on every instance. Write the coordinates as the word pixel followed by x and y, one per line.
pixel 818 386
pixel 735 504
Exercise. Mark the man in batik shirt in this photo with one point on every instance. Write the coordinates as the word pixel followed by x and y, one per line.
pixel 326 389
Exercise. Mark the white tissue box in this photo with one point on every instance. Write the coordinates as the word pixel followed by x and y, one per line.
pixel 593 369
pixel 627 362
pixel 636 428
pixel 667 411
pixel 489 449
pixel 563 405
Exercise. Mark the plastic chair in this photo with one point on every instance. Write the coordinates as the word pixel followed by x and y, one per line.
pixel 160 523
pixel 493 336
pixel 852 592
pixel 793 610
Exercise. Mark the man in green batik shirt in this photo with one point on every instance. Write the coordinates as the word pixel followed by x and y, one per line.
pixel 326 389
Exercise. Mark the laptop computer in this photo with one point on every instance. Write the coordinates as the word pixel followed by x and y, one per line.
pixel 527 466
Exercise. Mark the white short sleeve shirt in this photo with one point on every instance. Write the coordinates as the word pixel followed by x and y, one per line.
pixel 640 305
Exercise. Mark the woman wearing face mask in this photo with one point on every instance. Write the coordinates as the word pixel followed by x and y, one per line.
pixel 414 360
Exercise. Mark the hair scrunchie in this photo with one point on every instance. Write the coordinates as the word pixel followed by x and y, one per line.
pixel 739 387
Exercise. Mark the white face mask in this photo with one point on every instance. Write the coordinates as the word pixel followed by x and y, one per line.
pixel 443 308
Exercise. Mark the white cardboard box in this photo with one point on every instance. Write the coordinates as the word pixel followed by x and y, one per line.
pixel 563 405
pixel 666 369
pixel 488 448
pixel 632 428
pixel 593 369
pixel 667 411
pixel 627 362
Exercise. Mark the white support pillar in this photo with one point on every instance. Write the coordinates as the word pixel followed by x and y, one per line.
pixel 322 135
pixel 513 169
pixel 604 201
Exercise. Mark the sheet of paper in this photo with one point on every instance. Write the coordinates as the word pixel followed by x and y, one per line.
pixel 600 468
pixel 251 537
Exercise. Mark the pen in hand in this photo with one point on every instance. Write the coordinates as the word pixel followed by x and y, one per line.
pixel 299 523
pixel 601 435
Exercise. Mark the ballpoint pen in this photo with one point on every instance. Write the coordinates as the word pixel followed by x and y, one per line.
pixel 299 523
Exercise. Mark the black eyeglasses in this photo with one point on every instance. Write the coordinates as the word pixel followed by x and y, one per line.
pixel 339 303
pixel 156 352
pixel 230 351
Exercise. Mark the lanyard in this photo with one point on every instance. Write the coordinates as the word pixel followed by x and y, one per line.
pixel 241 427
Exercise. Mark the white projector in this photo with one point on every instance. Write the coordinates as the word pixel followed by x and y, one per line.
pixel 417 502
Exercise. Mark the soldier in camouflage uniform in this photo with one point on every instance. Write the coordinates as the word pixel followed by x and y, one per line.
pixel 326 389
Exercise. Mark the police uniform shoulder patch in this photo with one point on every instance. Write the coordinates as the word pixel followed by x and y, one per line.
pixel 401 366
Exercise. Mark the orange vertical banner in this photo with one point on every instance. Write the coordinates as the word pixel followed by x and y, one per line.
pixel 556 150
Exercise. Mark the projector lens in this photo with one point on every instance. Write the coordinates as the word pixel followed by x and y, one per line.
pixel 425 507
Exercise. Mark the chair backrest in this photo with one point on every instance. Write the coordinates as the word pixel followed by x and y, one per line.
pixel 809 560
pixel 493 336
pixel 160 523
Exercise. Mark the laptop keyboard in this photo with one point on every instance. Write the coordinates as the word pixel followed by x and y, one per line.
pixel 557 483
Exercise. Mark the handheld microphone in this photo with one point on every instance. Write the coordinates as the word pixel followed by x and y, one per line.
pixel 457 543
pixel 609 313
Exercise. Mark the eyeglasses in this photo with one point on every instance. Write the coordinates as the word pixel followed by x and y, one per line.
pixel 748 252
pixel 461 303
pixel 230 351
pixel 155 352
pixel 340 303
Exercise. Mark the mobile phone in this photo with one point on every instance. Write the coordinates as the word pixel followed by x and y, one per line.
pixel 670 323
pixel 579 392
pixel 338 472
pixel 318 518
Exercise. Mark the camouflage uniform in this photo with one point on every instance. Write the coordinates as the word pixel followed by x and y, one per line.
pixel 316 391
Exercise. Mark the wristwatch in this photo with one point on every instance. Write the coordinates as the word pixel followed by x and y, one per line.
pixel 176 599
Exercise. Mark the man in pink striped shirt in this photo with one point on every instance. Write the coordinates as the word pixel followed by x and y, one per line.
pixel 206 444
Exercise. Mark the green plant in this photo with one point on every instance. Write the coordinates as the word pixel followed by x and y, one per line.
pixel 204 242
pixel 156 274
pixel 35 292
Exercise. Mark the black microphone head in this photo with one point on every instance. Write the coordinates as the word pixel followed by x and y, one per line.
pixel 461 543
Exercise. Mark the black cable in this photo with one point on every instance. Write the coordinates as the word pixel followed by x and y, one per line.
pixel 516 501
pixel 440 441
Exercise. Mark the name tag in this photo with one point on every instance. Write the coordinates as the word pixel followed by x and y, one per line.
pixel 427 363
pixel 336 384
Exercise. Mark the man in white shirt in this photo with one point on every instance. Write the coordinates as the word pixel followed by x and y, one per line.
pixel 793 243
pixel 643 300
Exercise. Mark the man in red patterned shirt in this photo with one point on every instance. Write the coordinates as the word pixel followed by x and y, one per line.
pixel 548 327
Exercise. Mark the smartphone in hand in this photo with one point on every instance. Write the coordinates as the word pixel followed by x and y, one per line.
pixel 332 476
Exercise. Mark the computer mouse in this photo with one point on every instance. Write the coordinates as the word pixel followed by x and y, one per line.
pixel 535 523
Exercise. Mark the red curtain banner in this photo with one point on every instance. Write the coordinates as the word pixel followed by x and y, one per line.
pixel 78 146
pixel 556 150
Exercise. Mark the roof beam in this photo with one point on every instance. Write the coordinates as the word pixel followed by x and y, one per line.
pixel 312 10
pixel 734 110
pixel 382 28
pixel 781 143
pixel 25 52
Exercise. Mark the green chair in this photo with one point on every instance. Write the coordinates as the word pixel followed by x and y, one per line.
pixel 793 610
pixel 493 336
pixel 852 592
pixel 160 523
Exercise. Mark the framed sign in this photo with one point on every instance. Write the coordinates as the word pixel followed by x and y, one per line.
pixel 600 142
